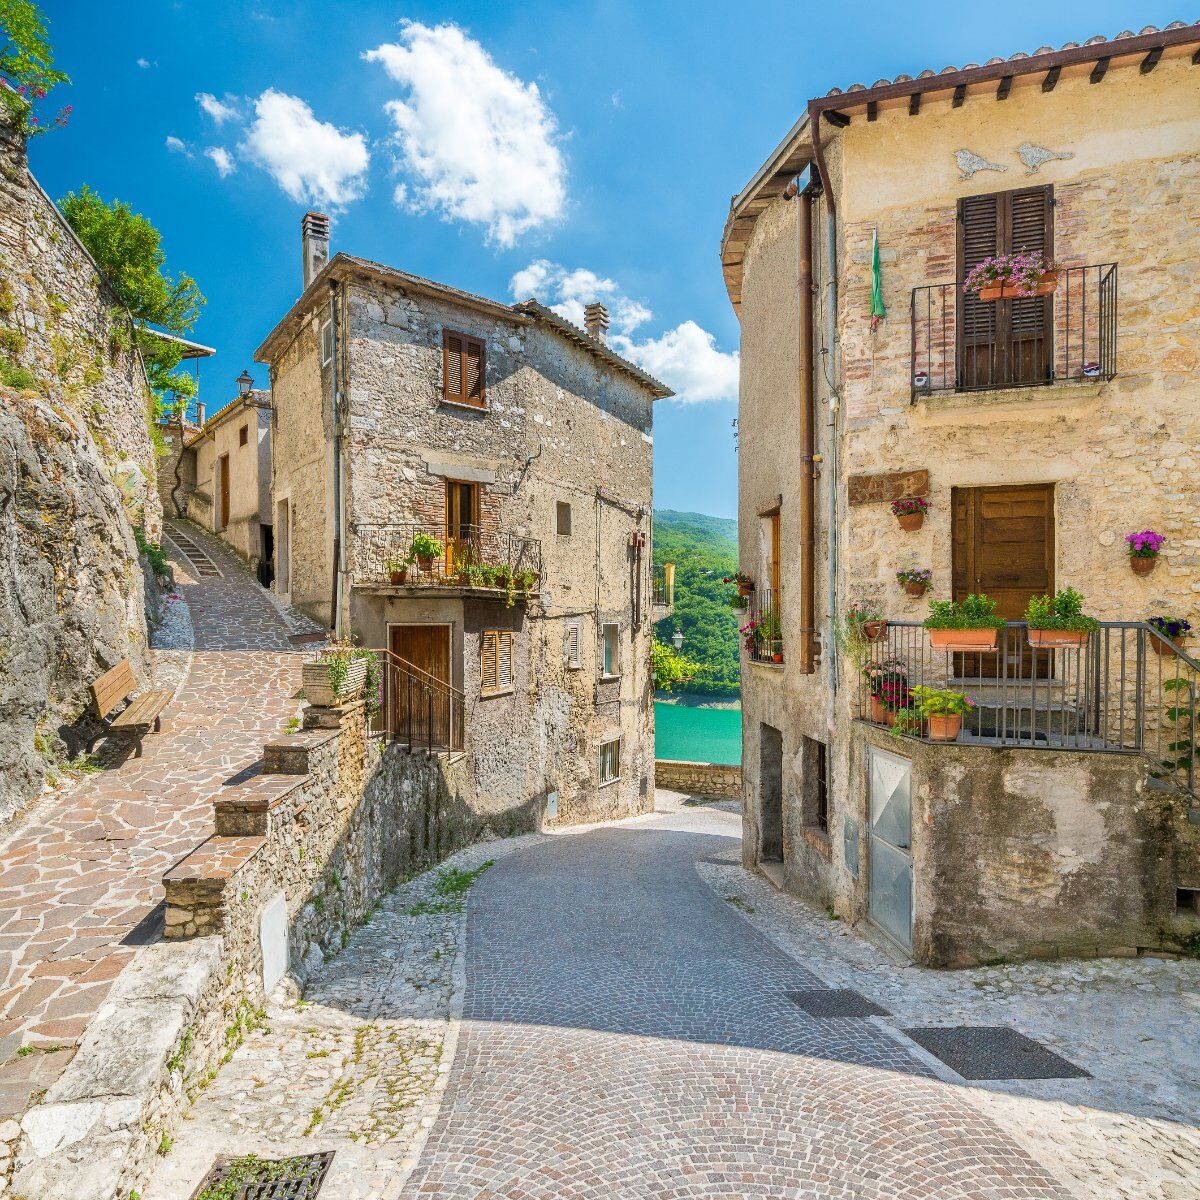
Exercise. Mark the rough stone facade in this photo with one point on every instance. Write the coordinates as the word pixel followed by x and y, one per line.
pixel 562 424
pixel 1121 455
pixel 77 470
pixel 698 779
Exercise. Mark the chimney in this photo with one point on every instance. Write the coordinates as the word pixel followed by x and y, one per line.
pixel 595 321
pixel 314 238
pixel 199 412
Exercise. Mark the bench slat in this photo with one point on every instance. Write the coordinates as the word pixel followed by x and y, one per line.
pixel 143 710
pixel 112 687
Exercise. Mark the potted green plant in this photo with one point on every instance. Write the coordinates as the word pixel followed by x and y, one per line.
pixel 964 626
pixel 868 620
pixel 943 710
pixel 424 550
pixel 336 676
pixel 910 512
pixel 916 581
pixel 1058 621
pixel 526 579
pixel 738 601
pixel 1144 548
pixel 1174 629
pixel 397 572
pixel 770 633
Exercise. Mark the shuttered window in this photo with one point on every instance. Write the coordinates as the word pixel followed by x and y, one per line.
pixel 496 661
pixel 574 644
pixel 464 370
pixel 610 761
pixel 1004 343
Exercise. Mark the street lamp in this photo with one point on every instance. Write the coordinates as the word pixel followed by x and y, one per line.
pixel 245 381
pixel 677 638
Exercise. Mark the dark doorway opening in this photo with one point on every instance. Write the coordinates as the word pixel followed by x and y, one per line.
pixel 770 791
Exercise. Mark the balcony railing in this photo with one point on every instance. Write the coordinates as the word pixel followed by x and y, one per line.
pixel 963 344
pixel 474 557
pixel 417 709
pixel 1127 690
pixel 761 628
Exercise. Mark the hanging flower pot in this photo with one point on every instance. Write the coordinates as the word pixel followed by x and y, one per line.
pixel 963 627
pixel 910 512
pixel 1142 566
pixel 1173 630
pixel 874 631
pixel 915 580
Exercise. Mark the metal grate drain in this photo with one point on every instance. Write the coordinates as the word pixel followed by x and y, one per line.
pixel 255 1178
pixel 994 1052
pixel 836 1002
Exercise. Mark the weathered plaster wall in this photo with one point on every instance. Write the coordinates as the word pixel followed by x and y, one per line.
pixel 76 470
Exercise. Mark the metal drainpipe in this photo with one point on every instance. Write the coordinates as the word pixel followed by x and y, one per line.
pixel 335 611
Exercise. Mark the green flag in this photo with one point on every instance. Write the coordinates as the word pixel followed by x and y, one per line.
pixel 878 312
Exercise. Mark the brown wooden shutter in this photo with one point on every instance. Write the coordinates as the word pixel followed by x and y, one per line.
pixel 978 238
pixel 488 661
pixel 504 660
pixel 464 370
pixel 474 373
pixel 452 373
pixel 1030 228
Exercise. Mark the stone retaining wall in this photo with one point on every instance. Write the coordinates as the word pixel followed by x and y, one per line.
pixel 700 779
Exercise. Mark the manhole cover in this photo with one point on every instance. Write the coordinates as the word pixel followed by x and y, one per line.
pixel 249 1177
pixel 836 1002
pixel 994 1052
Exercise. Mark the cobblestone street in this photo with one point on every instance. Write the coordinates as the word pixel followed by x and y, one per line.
pixel 80 877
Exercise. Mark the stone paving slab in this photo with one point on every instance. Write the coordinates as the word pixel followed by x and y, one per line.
pixel 80 880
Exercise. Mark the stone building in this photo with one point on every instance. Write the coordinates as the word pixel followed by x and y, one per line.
pixel 1040 431
pixel 520 446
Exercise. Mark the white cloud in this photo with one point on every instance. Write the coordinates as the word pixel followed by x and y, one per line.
pixel 144 63
pixel 177 145
pixel 311 160
pixel 685 358
pixel 223 160
pixel 477 143
pixel 220 110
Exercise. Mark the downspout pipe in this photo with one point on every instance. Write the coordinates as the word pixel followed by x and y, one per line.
pixel 831 269
pixel 335 605
pixel 808 477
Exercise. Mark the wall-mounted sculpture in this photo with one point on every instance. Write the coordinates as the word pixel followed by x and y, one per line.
pixel 1036 157
pixel 969 163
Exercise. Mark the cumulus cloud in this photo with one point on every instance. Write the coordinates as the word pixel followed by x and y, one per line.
pixel 685 358
pixel 311 160
pixel 222 159
pixel 220 110
pixel 475 142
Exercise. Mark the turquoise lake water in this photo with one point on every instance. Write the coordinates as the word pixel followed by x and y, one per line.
pixel 698 734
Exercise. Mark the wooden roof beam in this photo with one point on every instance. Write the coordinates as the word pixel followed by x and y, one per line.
pixel 1004 87
pixel 836 118
pixel 1196 59
pixel 1099 70
pixel 1151 60
pixel 960 94
pixel 1051 79
pixel 914 104
pixel 872 110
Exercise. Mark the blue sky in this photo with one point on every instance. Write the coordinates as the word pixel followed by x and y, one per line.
pixel 565 148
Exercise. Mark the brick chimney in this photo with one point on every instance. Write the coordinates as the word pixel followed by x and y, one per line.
pixel 314 239
pixel 595 321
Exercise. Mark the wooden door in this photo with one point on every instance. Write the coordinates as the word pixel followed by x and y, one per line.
pixel 1004 548
pixel 462 524
pixel 1004 343
pixel 421 712
pixel 223 486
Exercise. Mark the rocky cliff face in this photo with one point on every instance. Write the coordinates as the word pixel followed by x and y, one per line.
pixel 77 470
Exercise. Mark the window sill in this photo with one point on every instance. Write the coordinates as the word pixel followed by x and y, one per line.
pixel 475 408
pixel 609 678
pixel 609 782
pixel 487 694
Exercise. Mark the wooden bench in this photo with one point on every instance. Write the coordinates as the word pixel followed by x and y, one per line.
pixel 144 712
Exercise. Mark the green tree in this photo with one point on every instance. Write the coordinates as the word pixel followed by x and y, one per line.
pixel 670 667
pixel 128 250
pixel 27 70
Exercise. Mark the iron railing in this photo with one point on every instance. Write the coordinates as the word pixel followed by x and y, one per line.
pixel 762 629
pixel 473 556
pixel 1127 690
pixel 417 709
pixel 963 344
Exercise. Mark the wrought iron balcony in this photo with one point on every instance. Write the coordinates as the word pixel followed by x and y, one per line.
pixel 1126 690
pixel 762 629
pixel 474 558
pixel 963 344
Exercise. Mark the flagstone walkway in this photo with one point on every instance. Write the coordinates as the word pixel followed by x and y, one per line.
pixel 80 879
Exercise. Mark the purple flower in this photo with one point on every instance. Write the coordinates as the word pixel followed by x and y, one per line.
pixel 1145 544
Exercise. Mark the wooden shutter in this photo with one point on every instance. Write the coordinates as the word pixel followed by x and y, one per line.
pixel 496 661
pixel 504 660
pixel 573 644
pixel 978 238
pixel 464 370
pixel 1030 228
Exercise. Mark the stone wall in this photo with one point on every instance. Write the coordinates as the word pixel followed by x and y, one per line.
pixel 698 779
pixel 76 471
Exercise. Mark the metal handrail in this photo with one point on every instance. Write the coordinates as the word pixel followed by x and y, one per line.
pixel 1127 689
pixel 433 712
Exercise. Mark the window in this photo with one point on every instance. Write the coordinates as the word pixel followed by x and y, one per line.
pixel 612 650
pixel 563 518
pixel 326 343
pixel 244 435
pixel 574 645
pixel 821 763
pixel 610 762
pixel 496 662
pixel 463 370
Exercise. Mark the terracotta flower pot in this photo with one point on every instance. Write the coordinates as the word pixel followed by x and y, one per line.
pixel 916 589
pixel 911 522
pixel 963 641
pixel 880 713
pixel 874 631
pixel 426 562
pixel 397 577
pixel 945 728
pixel 777 656
pixel 1141 565
pixel 1050 639
pixel 744 589
pixel 1000 290
pixel 1167 648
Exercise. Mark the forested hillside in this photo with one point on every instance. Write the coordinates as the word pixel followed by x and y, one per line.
pixel 704 550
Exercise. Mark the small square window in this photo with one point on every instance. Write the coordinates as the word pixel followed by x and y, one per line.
pixel 612 650
pixel 610 762
pixel 326 343
pixel 244 435
pixel 563 518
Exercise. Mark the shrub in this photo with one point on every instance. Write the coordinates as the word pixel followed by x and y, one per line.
pixel 975 612
pixel 1062 611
